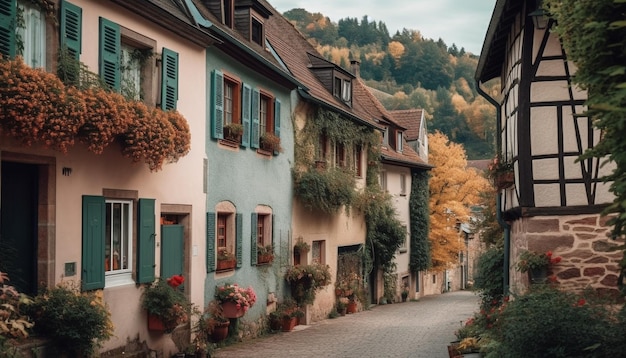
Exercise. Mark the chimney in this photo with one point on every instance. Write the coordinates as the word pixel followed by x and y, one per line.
pixel 355 65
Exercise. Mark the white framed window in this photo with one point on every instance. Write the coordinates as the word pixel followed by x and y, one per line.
pixel 402 184
pixel 118 245
pixel 32 34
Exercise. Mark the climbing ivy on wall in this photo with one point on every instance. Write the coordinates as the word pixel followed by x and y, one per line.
pixel 594 36
pixel 418 211
pixel 328 189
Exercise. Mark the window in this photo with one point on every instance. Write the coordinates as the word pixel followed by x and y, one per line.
pixel 262 240
pixel 322 148
pixel 402 184
pixel 224 238
pixel 109 239
pixel 266 114
pixel 264 225
pixel 124 65
pixel 358 160
pixel 317 252
pixel 32 36
pixel 342 89
pixel 399 141
pixel 118 256
pixel 256 32
pixel 383 180
pixel 403 247
pixel 340 155
pixel 229 12
pixel 131 73
pixel 232 103
pixel 225 234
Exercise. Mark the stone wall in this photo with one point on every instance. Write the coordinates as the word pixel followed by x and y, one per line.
pixel 588 260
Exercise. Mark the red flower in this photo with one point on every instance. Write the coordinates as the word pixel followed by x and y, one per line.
pixel 581 302
pixel 175 281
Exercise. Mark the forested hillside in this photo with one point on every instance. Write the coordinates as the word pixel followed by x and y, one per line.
pixel 415 71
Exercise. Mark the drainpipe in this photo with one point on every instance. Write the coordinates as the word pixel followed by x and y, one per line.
pixel 503 224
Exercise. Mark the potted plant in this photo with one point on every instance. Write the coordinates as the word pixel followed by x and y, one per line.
pixel 270 142
pixel 166 304
pixel 305 280
pixel 265 254
pixel 233 131
pixel 286 315
pixel 501 173
pixel 225 260
pixel 342 306
pixel 405 293
pixel 300 248
pixel 212 324
pixel 536 264
pixel 15 326
pixel 235 300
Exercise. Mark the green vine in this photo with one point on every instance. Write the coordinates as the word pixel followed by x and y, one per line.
pixel 328 190
pixel 418 211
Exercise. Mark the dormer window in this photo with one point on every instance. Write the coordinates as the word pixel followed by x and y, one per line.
pixel 399 141
pixel 229 12
pixel 342 89
pixel 256 32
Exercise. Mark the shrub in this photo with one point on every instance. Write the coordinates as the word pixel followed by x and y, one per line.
pixel 163 299
pixel 326 190
pixel 547 322
pixel 305 280
pixel 489 279
pixel 77 323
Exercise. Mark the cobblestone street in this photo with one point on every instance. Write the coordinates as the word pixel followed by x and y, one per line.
pixel 411 329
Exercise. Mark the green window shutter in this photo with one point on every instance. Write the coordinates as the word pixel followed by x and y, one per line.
pixel 217 104
pixel 71 28
pixel 210 242
pixel 169 79
pixel 246 94
pixel 254 128
pixel 146 233
pixel 8 14
pixel 253 238
pixel 110 51
pixel 239 236
pixel 276 121
pixel 94 218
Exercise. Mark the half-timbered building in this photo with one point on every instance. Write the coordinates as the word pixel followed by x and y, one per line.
pixel 556 199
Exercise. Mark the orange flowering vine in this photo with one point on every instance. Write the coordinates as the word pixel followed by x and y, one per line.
pixel 36 107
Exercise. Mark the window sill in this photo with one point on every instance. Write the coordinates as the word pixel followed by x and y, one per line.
pixel 229 143
pixel 264 152
pixel 403 251
pixel 118 279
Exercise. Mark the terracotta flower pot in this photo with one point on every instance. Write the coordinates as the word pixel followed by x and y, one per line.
pixel 351 307
pixel 288 324
pixel 231 310
pixel 220 331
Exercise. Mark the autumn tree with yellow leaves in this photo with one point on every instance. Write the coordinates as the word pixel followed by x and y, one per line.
pixel 454 189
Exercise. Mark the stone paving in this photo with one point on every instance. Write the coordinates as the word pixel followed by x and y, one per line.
pixel 421 328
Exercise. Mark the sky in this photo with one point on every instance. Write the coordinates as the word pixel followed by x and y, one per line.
pixel 462 22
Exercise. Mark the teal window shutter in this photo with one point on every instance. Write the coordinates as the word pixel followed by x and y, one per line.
pixel 273 247
pixel 217 104
pixel 8 14
pixel 71 28
pixel 276 120
pixel 110 51
pixel 146 233
pixel 210 242
pixel 94 218
pixel 239 236
pixel 254 128
pixel 253 238
pixel 246 96
pixel 169 79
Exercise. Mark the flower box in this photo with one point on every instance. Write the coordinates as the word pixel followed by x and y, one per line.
pixel 223 265
pixel 504 180
pixel 288 324
pixel 264 258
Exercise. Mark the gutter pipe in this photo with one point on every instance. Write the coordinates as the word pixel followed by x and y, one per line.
pixel 503 224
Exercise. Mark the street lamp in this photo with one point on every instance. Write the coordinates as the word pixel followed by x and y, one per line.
pixel 539 16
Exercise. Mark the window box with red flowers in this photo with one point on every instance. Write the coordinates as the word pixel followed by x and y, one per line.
pixel 536 264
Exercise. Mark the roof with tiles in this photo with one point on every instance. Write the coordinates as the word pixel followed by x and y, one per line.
pixel 411 119
pixel 297 53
